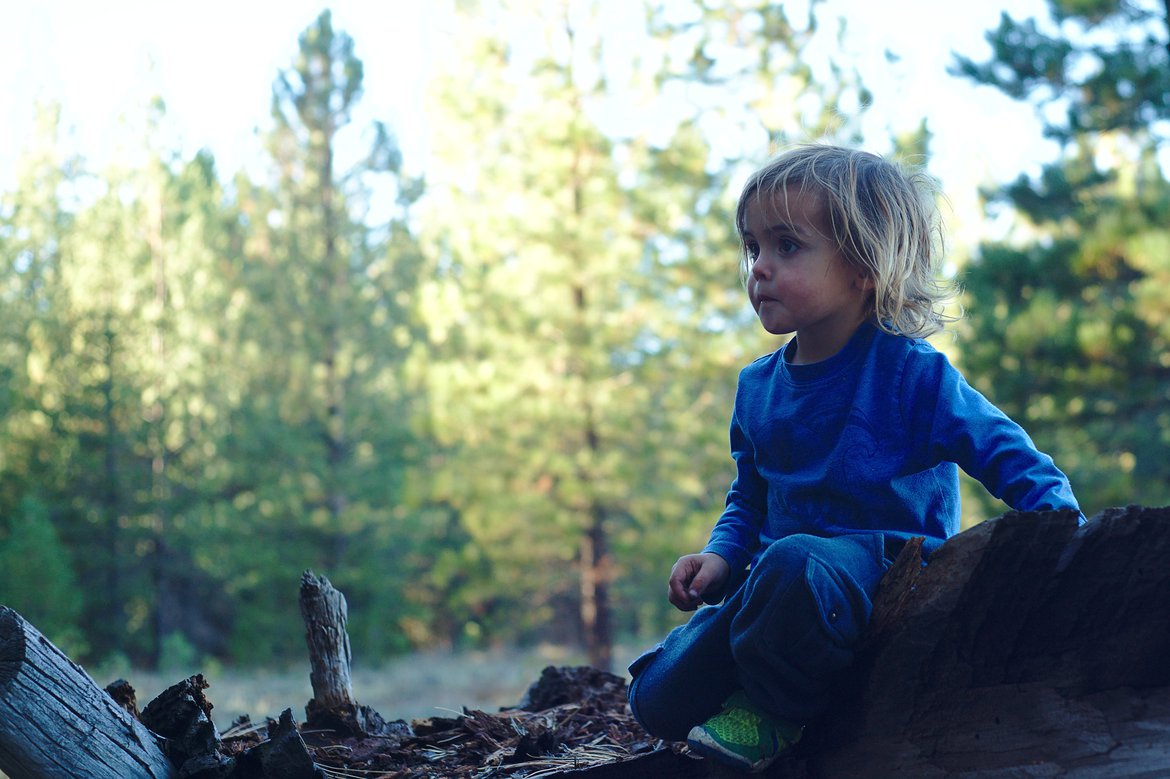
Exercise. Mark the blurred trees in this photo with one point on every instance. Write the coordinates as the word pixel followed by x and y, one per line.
pixel 321 438
pixel 109 386
pixel 206 388
pixel 498 409
pixel 1069 324
pixel 584 300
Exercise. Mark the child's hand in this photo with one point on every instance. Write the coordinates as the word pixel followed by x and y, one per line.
pixel 693 576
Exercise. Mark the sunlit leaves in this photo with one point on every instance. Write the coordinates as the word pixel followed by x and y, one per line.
pixel 1069 330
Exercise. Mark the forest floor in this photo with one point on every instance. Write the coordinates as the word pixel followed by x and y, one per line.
pixel 572 719
pixel 504 714
pixel 414 686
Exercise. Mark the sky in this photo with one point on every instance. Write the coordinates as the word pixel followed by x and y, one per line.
pixel 214 64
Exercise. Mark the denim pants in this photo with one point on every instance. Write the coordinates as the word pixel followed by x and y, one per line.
pixel 780 637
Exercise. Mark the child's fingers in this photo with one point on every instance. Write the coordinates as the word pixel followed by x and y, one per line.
pixel 681 584
pixel 709 578
pixel 681 599
pixel 699 584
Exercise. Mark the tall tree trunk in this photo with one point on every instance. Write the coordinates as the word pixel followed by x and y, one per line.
pixel 594 550
pixel 595 610
pixel 110 622
pixel 594 545
pixel 163 621
pixel 336 499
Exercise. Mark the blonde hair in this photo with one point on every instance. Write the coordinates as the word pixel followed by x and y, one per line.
pixel 884 220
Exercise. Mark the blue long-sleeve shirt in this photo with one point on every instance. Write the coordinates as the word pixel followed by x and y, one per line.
pixel 868 441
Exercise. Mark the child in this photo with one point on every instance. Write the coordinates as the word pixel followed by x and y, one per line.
pixel 846 442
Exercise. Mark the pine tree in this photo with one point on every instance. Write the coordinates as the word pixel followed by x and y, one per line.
pixel 324 430
pixel 586 310
pixel 1067 326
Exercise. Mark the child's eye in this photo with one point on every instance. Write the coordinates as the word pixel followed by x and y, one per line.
pixel 752 250
pixel 787 246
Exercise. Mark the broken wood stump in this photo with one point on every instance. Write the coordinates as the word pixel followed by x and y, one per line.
pixel 56 721
pixel 333 706
pixel 181 714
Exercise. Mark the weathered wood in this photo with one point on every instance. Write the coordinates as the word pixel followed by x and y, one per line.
pixel 333 706
pixel 55 721
pixel 283 755
pixel 324 610
pixel 1028 647
pixel 181 714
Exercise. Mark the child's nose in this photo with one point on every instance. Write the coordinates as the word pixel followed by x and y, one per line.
pixel 761 269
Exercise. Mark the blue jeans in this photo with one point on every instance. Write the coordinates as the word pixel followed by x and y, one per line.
pixel 780 637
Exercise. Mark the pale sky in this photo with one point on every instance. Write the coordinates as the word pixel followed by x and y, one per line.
pixel 214 62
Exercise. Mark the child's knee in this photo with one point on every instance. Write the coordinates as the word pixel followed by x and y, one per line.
pixel 807 617
pixel 642 698
pixel 780 564
pixel 653 710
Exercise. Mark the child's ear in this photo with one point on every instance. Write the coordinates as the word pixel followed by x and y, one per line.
pixel 863 281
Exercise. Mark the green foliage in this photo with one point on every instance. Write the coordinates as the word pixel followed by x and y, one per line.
pixel 1068 330
pixel 185 368
pixel 35 576
pixel 1106 64
pixel 498 416
pixel 178 655
pixel 584 301
pixel 324 433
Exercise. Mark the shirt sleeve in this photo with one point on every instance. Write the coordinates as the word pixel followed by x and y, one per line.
pixel 967 429
pixel 736 535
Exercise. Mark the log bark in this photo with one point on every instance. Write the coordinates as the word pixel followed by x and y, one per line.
pixel 1027 647
pixel 181 714
pixel 56 721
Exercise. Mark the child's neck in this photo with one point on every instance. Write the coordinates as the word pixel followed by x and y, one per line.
pixel 813 347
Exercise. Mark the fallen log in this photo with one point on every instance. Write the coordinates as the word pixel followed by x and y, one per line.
pixel 1027 647
pixel 56 721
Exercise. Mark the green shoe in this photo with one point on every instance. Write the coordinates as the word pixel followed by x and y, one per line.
pixel 743 736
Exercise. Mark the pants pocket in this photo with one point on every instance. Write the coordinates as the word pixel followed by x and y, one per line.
pixel 842 605
pixel 812 629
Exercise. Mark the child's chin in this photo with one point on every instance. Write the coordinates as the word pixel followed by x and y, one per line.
pixel 776 328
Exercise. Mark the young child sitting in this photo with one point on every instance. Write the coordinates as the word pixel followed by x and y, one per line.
pixel 847 441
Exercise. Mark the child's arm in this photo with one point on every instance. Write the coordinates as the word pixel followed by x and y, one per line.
pixel 967 429
pixel 736 536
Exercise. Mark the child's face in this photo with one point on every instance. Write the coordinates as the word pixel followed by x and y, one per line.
pixel 799 281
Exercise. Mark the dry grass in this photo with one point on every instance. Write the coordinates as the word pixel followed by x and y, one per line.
pixel 412 687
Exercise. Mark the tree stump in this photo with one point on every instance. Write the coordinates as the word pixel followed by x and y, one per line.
pixel 326 632
pixel 333 706
pixel 55 721
pixel 181 714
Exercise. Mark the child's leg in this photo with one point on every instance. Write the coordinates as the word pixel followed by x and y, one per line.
pixel 804 606
pixel 687 677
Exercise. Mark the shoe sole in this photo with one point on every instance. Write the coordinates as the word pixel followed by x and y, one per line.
pixel 706 747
